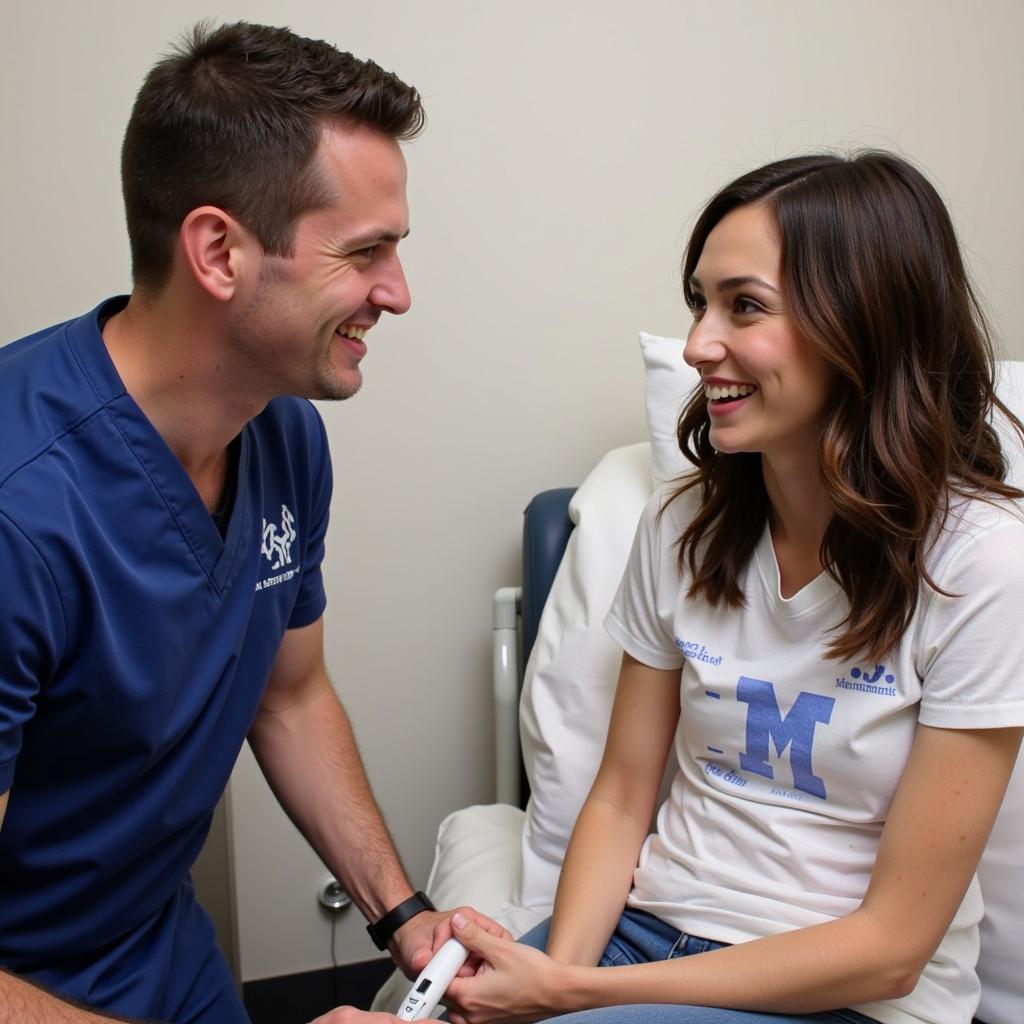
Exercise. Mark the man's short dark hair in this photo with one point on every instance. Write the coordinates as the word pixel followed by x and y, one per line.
pixel 232 118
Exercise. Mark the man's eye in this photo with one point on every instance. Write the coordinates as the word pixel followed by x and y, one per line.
pixel 368 253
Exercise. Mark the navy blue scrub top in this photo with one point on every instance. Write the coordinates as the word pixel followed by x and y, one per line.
pixel 135 644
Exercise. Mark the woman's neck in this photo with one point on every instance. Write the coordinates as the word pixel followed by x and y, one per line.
pixel 799 513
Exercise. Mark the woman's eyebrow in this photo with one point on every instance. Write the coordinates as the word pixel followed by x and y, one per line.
pixel 735 282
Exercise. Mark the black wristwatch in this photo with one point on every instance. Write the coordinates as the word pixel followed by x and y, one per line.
pixel 382 930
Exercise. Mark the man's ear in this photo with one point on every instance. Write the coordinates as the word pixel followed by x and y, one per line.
pixel 218 250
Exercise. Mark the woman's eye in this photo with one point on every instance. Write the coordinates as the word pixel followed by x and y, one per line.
pixel 697 305
pixel 744 305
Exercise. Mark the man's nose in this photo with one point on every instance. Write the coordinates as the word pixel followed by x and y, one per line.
pixel 391 292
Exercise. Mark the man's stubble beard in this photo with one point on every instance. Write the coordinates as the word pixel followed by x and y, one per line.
pixel 254 329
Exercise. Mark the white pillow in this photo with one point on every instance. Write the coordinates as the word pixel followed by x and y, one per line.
pixel 573 668
pixel 668 384
pixel 474 859
pixel 1010 388
pixel 1001 871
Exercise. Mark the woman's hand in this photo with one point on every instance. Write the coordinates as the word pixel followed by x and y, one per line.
pixel 514 982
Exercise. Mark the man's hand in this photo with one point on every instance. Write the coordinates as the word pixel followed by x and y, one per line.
pixel 422 936
pixel 350 1015
pixel 515 983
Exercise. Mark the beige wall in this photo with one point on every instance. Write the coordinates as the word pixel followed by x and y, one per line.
pixel 568 148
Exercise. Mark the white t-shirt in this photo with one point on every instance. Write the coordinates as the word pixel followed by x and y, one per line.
pixel 788 761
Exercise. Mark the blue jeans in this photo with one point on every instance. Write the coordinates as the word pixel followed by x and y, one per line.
pixel 640 938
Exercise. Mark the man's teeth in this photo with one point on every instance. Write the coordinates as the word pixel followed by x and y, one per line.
pixel 732 391
pixel 353 332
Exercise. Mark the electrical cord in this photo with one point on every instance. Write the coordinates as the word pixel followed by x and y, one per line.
pixel 334 960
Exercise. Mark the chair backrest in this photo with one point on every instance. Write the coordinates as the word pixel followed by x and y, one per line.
pixel 546 530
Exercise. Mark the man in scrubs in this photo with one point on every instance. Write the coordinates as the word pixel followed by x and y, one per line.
pixel 164 493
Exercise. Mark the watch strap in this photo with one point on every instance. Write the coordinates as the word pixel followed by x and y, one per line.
pixel 382 930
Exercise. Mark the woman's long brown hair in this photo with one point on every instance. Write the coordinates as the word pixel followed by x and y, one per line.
pixel 874 279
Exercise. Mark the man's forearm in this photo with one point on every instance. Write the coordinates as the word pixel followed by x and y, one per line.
pixel 21 1002
pixel 309 755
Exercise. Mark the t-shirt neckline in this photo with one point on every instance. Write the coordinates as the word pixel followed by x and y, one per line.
pixel 822 589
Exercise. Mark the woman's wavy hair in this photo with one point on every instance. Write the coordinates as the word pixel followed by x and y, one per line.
pixel 874 279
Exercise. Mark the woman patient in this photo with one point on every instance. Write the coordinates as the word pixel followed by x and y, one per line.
pixel 821 625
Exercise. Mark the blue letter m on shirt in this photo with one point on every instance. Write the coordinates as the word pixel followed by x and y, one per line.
pixel 796 731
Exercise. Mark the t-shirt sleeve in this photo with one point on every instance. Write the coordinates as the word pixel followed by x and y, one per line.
pixel 312 597
pixel 641 616
pixel 32 638
pixel 971 652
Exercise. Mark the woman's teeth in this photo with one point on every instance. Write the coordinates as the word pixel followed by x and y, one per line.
pixel 732 391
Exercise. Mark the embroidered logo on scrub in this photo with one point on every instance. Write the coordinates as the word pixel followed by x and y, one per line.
pixel 277 549
pixel 277 544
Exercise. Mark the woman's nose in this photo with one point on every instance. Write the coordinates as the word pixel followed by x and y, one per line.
pixel 704 343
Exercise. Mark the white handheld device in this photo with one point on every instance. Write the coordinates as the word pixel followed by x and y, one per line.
pixel 428 988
